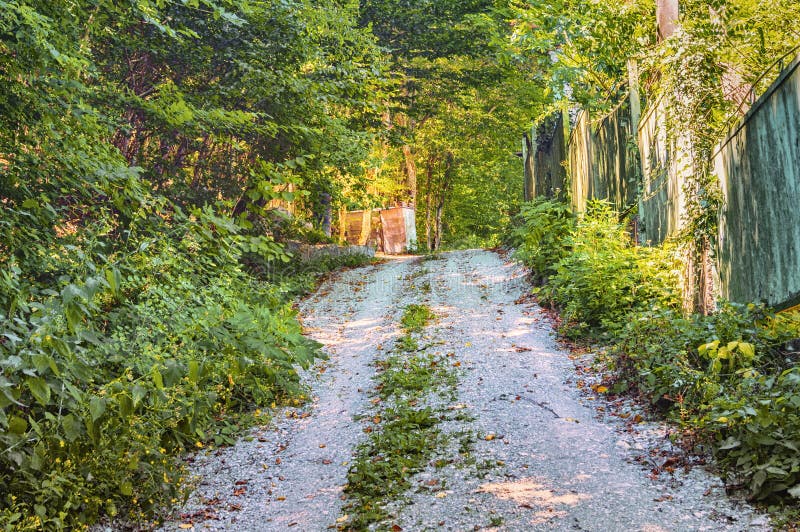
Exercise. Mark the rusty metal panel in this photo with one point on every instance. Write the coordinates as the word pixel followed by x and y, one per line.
pixel 399 230
pixel 394 231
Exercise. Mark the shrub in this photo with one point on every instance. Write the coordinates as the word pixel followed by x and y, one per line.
pixel 543 236
pixel 604 276
pixel 731 376
pixel 131 361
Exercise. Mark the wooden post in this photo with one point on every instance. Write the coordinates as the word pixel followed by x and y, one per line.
pixel 527 162
pixel 633 95
pixel 342 223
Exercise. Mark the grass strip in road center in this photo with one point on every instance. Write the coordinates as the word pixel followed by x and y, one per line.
pixel 404 432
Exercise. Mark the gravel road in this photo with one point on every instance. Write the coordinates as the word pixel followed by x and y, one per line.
pixel 542 456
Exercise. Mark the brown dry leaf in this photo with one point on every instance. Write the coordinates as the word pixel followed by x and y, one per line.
pixel 489 437
pixel 281 498
pixel 321 445
pixel 457 364
pixel 441 495
pixel 396 528
pixel 326 462
pixel 277 461
pixel 637 418
pixel 376 419
pixel 368 430
pixel 186 525
pixel 343 518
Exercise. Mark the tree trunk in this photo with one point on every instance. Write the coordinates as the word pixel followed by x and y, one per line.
pixel 446 181
pixel 325 213
pixel 429 202
pixel 410 171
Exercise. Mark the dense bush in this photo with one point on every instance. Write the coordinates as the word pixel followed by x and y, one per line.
pixel 118 365
pixel 542 235
pixel 730 375
pixel 593 271
pixel 605 276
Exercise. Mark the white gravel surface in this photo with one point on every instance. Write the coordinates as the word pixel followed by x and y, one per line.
pixel 549 462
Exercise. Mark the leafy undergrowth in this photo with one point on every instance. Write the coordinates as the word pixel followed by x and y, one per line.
pixel 729 379
pixel 405 433
pixel 113 365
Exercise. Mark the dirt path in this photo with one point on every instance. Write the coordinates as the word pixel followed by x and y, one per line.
pixel 526 450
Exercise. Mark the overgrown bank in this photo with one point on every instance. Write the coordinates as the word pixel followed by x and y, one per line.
pixel 120 366
pixel 729 379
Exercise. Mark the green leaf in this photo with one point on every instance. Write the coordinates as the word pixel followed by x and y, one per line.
pixel 39 389
pixel 158 380
pixel 138 392
pixel 126 488
pixel 747 350
pixel 17 425
pixel 72 427
pixel 97 407
pixel 194 372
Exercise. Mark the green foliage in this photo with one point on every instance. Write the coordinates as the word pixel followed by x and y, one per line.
pixel 139 142
pixel 543 235
pixel 460 105
pixel 603 276
pixel 731 375
pixel 583 45
pixel 121 364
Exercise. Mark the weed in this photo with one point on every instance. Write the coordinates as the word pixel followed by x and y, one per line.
pixel 416 317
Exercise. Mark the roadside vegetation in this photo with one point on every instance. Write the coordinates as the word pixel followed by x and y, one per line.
pixel 730 380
